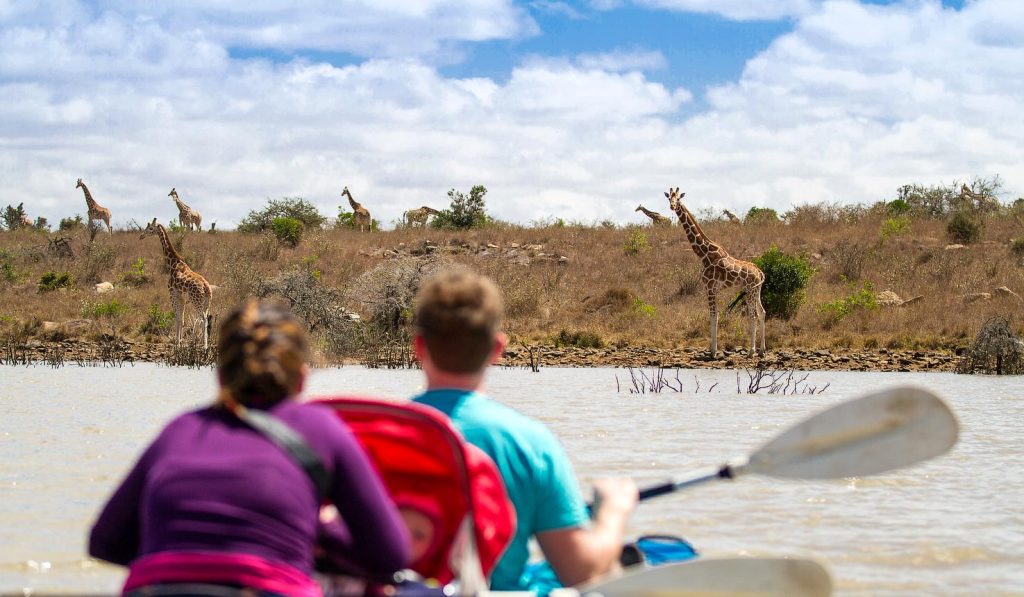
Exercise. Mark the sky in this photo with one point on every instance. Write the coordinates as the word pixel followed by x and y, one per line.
pixel 573 110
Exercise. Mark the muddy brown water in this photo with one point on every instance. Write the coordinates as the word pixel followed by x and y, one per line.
pixel 951 526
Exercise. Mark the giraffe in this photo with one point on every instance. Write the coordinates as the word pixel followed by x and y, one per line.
pixel 186 215
pixel 977 201
pixel 656 218
pixel 721 271
pixel 419 216
pixel 95 210
pixel 183 281
pixel 360 214
pixel 730 216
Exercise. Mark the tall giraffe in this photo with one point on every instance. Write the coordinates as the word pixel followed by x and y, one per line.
pixel 186 215
pixel 183 280
pixel 414 216
pixel 95 210
pixel 656 218
pixel 721 271
pixel 361 215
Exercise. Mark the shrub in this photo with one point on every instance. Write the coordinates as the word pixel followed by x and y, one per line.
pixel 288 207
pixel 136 275
pixel 1017 247
pixel 69 224
pixel 643 309
pixel 464 212
pixel 761 215
pixel 785 277
pixel 110 309
pixel 7 271
pixel 53 280
pixel 895 226
pixel 897 207
pixel 964 229
pixel 288 231
pixel 157 321
pixel 838 309
pixel 848 260
pixel 578 339
pixel 636 243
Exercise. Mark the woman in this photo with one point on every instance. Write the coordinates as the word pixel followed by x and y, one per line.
pixel 212 500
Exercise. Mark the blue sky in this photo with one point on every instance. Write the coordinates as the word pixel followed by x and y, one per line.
pixel 564 110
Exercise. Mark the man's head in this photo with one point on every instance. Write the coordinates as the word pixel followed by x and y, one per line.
pixel 458 317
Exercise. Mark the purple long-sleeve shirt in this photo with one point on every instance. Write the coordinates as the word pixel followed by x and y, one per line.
pixel 211 483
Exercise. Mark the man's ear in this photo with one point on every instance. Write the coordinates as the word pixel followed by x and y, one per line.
pixel 301 382
pixel 419 347
pixel 500 343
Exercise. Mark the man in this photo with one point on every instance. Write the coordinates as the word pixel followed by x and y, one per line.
pixel 458 315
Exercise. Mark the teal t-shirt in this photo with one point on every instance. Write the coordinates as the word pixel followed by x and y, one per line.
pixel 535 468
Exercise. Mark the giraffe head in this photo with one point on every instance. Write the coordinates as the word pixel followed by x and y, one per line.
pixel 173 193
pixel 150 229
pixel 639 208
pixel 344 191
pixel 674 197
pixel 79 184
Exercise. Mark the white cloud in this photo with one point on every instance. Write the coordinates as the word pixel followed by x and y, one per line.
pixel 624 60
pixel 854 102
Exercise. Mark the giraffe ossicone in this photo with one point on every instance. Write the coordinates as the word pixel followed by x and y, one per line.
pixel 720 271
pixel 184 284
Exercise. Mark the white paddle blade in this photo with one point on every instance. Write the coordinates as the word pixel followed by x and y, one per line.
pixel 721 576
pixel 864 436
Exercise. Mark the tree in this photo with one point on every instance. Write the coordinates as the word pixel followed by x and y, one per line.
pixel 464 212
pixel 785 277
pixel 13 216
pixel 295 208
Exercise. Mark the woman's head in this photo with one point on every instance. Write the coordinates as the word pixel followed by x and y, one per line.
pixel 261 354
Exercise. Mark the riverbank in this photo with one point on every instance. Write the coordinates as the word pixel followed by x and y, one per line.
pixel 124 352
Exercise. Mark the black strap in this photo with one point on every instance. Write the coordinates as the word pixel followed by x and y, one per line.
pixel 291 442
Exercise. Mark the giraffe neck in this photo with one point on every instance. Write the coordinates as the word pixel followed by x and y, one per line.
pixel 172 257
pixel 88 197
pixel 181 206
pixel 702 246
pixel 352 201
pixel 649 213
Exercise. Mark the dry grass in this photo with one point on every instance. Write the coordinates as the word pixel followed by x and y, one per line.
pixel 650 297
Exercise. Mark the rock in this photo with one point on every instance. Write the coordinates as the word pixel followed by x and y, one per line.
pixel 912 300
pixel 49 326
pixel 492 246
pixel 976 296
pixel 563 260
pixel 954 247
pixel 75 326
pixel 888 298
pixel 1003 291
pixel 104 287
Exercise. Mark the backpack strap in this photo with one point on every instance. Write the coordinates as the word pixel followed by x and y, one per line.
pixel 291 442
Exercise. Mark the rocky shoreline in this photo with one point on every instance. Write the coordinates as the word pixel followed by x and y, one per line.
pixel 880 360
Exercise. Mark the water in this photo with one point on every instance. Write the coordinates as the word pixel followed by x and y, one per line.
pixel 951 526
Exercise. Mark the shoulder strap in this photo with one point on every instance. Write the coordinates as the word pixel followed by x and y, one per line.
pixel 292 443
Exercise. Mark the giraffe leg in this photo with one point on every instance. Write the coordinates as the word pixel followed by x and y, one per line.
pixel 179 314
pixel 760 317
pixel 753 323
pixel 713 310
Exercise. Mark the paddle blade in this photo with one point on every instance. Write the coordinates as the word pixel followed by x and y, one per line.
pixel 864 436
pixel 721 576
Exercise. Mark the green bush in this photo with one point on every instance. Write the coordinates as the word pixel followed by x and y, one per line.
pixel 898 207
pixel 136 275
pixel 53 280
pixel 110 309
pixel 464 212
pixel 7 271
pixel 761 215
pixel 964 229
pixel 288 207
pixel 838 309
pixel 636 243
pixel 897 226
pixel 1017 247
pixel 69 224
pixel 157 321
pixel 785 278
pixel 578 339
pixel 642 308
pixel 288 231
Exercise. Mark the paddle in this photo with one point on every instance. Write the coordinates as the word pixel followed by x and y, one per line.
pixel 717 576
pixel 879 432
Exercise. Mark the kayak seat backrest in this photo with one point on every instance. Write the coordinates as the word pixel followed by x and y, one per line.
pixel 421 457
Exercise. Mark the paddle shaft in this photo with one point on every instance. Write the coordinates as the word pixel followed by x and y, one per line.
pixel 723 472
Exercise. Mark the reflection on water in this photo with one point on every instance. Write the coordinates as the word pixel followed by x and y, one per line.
pixel 951 526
